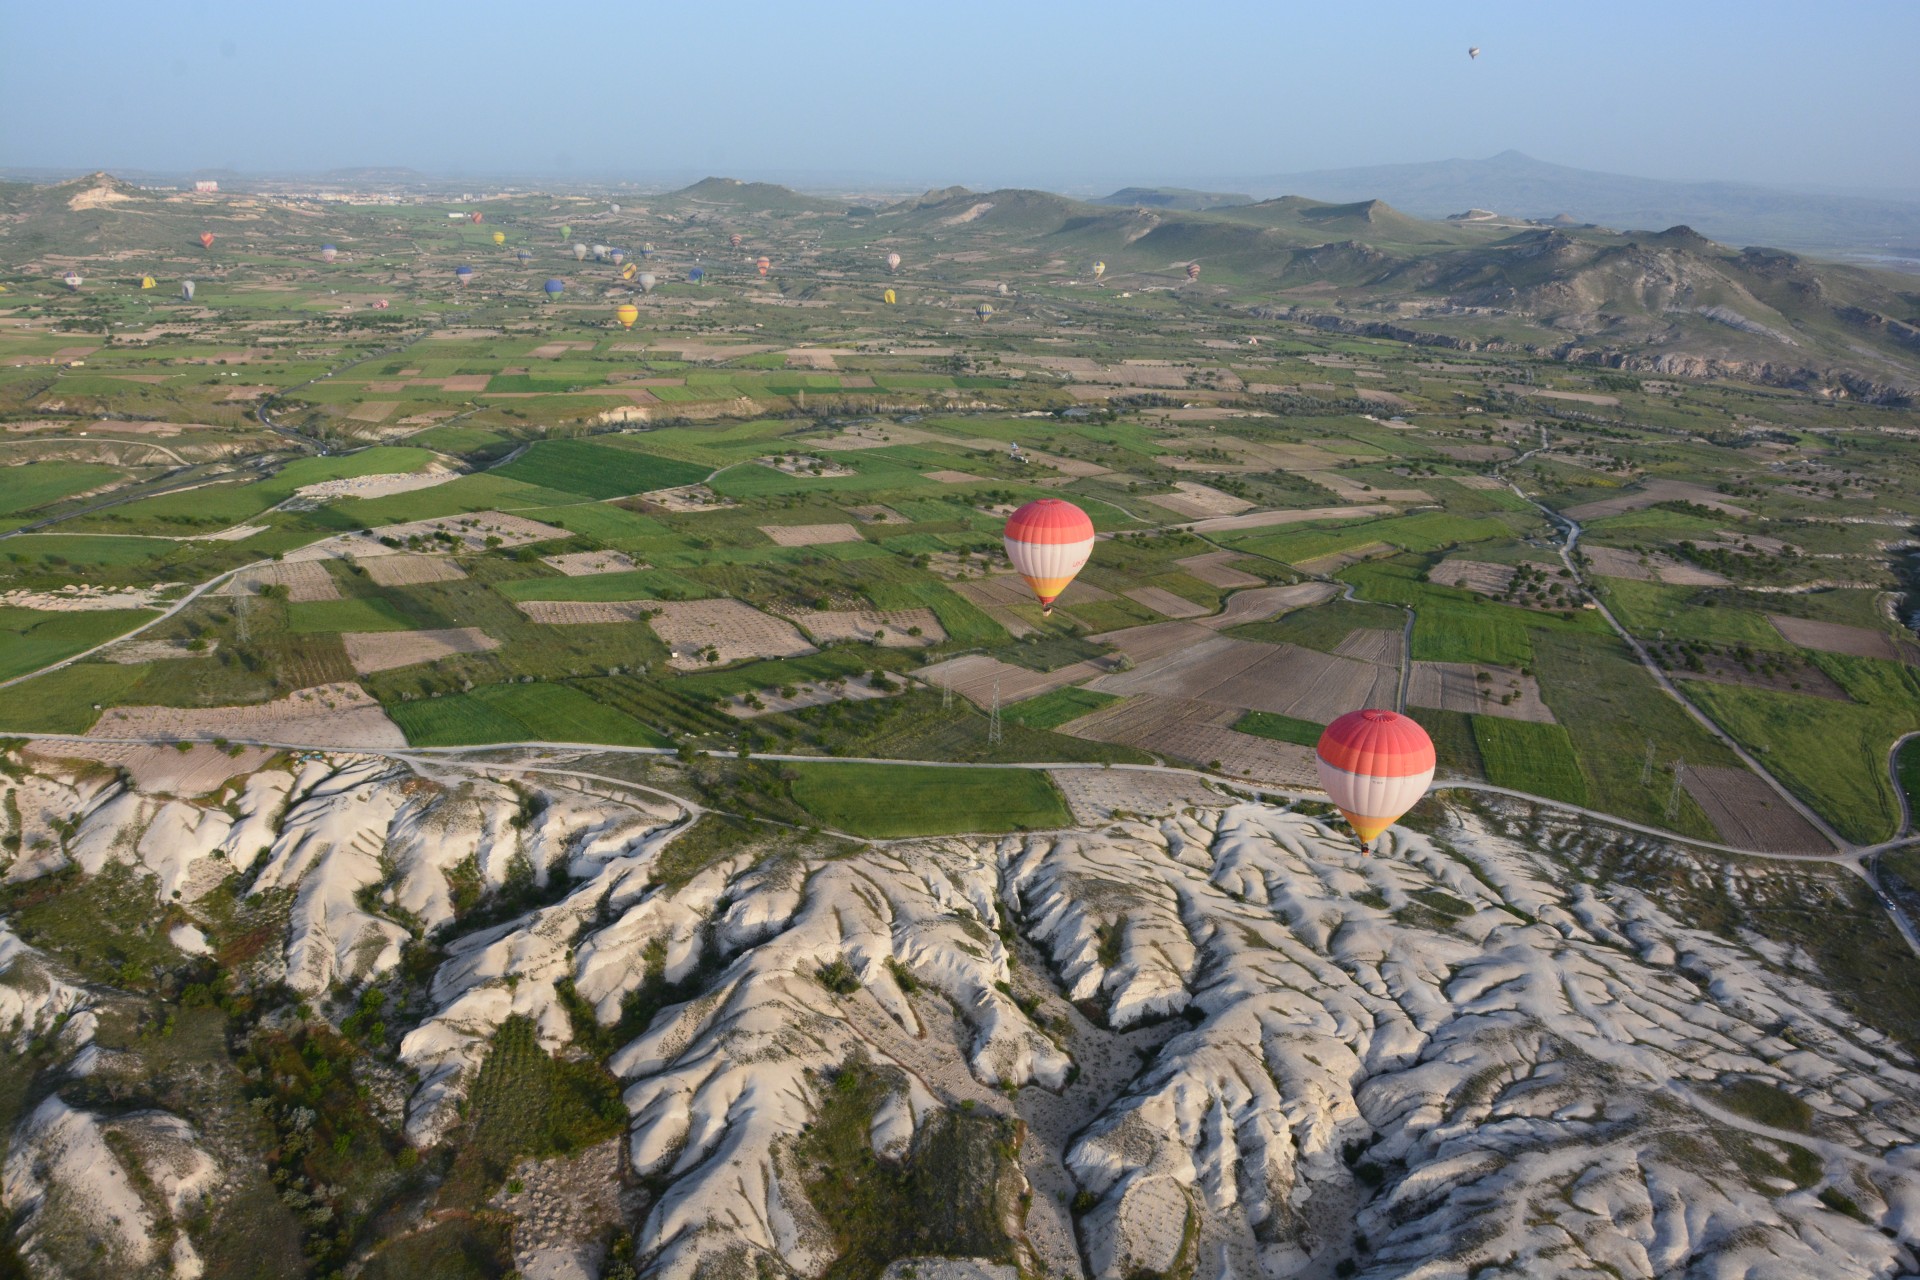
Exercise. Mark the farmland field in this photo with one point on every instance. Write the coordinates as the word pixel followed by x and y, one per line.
pixel 1535 758
pixel 597 470
pixel 519 713
pixel 890 801
pixel 31 639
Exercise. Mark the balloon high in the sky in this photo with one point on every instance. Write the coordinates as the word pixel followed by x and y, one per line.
pixel 579 253
pixel 186 290
pixel 1375 765
pixel 765 264
pixel 463 274
pixel 893 262
pixel 554 287
pixel 146 282
pixel 328 253
pixel 206 239
pixel 73 280
pixel 499 237
pixel 888 297
pixel 1048 541
pixel 1474 52
pixel 626 313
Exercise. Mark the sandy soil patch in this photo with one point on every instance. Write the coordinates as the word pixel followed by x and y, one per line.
pixel 810 535
pixel 379 486
pixel 1073 468
pixel 1833 637
pixel 1006 599
pixel 573 613
pixel 1166 603
pixel 1285 679
pixel 1748 814
pixel 328 715
pixel 305 580
pixel 78 599
pixel 465 382
pixel 409 570
pixel 1475 453
pixel 584 564
pixel 1354 491
pixel 1198 732
pixel 1155 640
pixel 816 357
pixel 1472 575
pixel 470 532
pixel 1655 491
pixel 1385 399
pixel 1199 501
pixel 1578 397
pixel 1367 644
pixel 1612 562
pixel 686 499
pixel 1470 687
pixel 707 352
pixel 806 466
pixel 1796 676
pixel 692 628
pixel 1096 795
pixel 949 477
pixel 875 513
pixel 975 677
pixel 132 653
pixel 371 651
pixel 1260 603
pixel 1215 568
pixel 555 350
pixel 1479 482
pixel 892 626
pixel 766 702
pixel 373 410
pixel 1262 519
pixel 162 770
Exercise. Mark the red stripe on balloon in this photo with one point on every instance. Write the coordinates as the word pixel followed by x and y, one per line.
pixel 1049 521
pixel 1381 744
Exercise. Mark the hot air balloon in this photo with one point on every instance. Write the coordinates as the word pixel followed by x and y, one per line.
pixel 1003 289
pixel 579 253
pixel 1099 269
pixel 380 305
pixel 499 237
pixel 566 233
pixel 186 290
pixel 735 239
pixel 599 252
pixel 463 275
pixel 206 239
pixel 984 311
pixel 146 282
pixel 626 313
pixel 328 253
pixel 888 297
pixel 1474 52
pixel 73 280
pixel 613 208
pixel 626 272
pixel 696 275
pixel 764 265
pixel 524 255
pixel 646 250
pixel 893 262
pixel 1375 765
pixel 554 288
pixel 617 256
pixel 1049 541
pixel 647 281
pixel 1193 271
pixel 475 216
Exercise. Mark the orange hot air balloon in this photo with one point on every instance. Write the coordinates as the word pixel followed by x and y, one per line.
pixel 1375 765
pixel 735 239
pixel 626 313
pixel 206 239
pixel 475 216
pixel 1193 271
pixel 1048 541
pixel 765 264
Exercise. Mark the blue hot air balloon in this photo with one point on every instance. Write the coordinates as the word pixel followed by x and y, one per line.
pixel 646 250
pixel 555 288
pixel 697 275
pixel 618 256
pixel 328 253
pixel 463 274
pixel 525 255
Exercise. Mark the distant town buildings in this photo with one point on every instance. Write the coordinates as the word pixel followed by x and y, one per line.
pixel 206 188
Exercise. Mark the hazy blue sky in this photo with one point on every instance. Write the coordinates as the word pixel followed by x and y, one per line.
pixel 1054 93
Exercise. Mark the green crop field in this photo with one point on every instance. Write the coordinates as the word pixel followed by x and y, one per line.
pixel 1268 724
pixel 886 801
pixel 1651 610
pixel 1324 626
pixel 1535 758
pixel 306 617
pixel 1495 636
pixel 540 712
pixel 1051 710
pixel 1908 765
pixel 62 701
pixel 32 638
pixel 596 470
pixel 37 484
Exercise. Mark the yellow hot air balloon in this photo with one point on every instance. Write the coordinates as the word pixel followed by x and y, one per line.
pixel 626 313
pixel 499 237
pixel 146 282
pixel 1099 269
pixel 888 297
pixel 626 272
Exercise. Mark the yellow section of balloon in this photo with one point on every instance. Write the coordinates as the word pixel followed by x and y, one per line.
pixel 626 313
pixel 499 237
pixel 888 297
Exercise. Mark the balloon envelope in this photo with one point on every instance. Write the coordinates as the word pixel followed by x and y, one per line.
pixel 984 310
pixel 566 233
pixel 1474 52
pixel 763 265
pixel 646 250
pixel 1375 765
pixel 499 237
pixel 888 297
pixel 893 262
pixel 1048 541
pixel 328 253
pixel 206 239
pixel 73 280
pixel 647 281
pixel 1099 269
pixel 579 253
pixel 626 272
pixel 697 275
pixel 554 287
pixel 1193 271
pixel 463 274
pixel 186 290
pixel 626 313
pixel 525 255
pixel 735 239
pixel 146 282
pixel 619 256
pixel 474 217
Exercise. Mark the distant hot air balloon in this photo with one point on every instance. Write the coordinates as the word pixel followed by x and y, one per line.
pixel 647 281
pixel 613 208
pixel 735 239
pixel 646 250
pixel 893 262
pixel 1004 291
pixel 1474 52
pixel 186 290
pixel 984 311
pixel 463 274
pixel 499 237
pixel 617 256
pixel 475 216
pixel 697 275
pixel 1375 765
pixel 146 282
pixel 599 252
pixel 888 297
pixel 626 313
pixel 764 265
pixel 1048 541
pixel 626 272
pixel 328 253
pixel 206 239
pixel 1099 269
pixel 524 255
pixel 380 305
pixel 73 280
pixel 579 253
pixel 566 232
pixel 554 288
pixel 1193 271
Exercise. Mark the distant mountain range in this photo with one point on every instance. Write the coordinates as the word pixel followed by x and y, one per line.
pixel 1519 186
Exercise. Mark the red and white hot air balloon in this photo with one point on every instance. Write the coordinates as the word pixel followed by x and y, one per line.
pixel 206 239
pixel 735 239
pixel 765 264
pixel 1049 541
pixel 1193 271
pixel 1375 765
